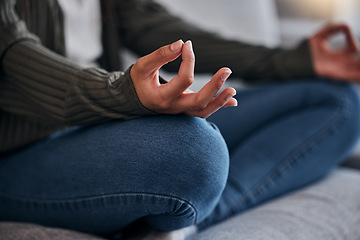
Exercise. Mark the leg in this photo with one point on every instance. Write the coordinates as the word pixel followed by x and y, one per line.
pixel 282 137
pixel 169 169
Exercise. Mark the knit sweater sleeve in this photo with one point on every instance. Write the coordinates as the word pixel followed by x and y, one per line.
pixel 42 92
pixel 47 88
pixel 147 25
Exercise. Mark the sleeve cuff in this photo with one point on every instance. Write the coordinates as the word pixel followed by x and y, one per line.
pixel 116 99
pixel 137 109
pixel 296 63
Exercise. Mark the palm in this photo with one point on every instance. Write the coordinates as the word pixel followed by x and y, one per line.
pixel 342 66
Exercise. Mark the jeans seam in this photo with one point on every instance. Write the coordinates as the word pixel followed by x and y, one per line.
pixel 293 156
pixel 97 197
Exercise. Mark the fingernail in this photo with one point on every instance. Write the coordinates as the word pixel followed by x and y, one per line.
pixel 189 44
pixel 236 103
pixel 176 46
pixel 225 75
pixel 228 97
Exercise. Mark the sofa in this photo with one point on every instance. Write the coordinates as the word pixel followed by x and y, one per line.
pixel 326 210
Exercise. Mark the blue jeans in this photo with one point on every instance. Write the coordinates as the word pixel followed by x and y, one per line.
pixel 176 171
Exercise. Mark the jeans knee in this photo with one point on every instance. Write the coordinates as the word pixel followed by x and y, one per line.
pixel 210 171
pixel 197 166
pixel 352 99
pixel 351 106
pixel 344 98
pixel 347 96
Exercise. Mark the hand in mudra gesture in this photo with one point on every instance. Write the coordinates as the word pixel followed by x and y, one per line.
pixel 175 97
pixel 340 64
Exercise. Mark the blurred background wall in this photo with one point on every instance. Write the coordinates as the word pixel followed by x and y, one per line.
pixel 300 18
pixel 253 21
pixel 268 22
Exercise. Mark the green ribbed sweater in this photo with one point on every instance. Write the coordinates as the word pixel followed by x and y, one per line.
pixel 42 92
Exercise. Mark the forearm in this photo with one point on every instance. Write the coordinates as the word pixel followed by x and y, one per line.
pixel 53 90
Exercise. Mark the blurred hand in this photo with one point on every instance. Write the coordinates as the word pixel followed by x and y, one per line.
pixel 341 64
pixel 175 97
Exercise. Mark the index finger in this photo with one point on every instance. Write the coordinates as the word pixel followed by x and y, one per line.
pixel 185 76
pixel 161 56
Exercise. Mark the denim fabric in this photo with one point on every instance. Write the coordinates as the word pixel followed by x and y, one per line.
pixel 174 171
pixel 100 178
pixel 326 210
pixel 283 137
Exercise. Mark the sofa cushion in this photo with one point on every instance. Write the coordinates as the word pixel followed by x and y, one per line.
pixel 22 231
pixel 329 209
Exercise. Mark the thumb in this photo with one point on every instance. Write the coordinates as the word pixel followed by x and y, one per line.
pixel 161 56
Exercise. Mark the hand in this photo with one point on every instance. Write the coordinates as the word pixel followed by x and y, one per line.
pixel 175 97
pixel 342 64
